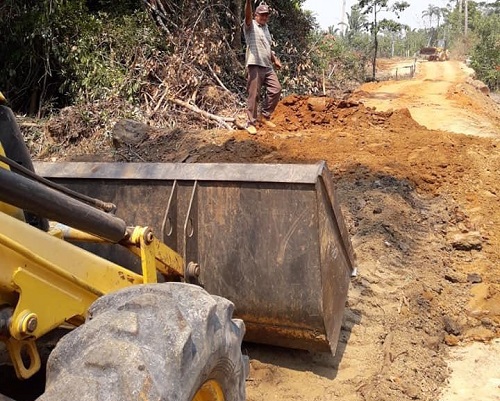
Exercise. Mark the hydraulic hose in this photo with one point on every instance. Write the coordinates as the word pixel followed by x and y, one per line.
pixel 37 198
pixel 106 206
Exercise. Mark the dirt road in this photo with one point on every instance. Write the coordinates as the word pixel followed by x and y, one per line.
pixel 423 210
pixel 422 206
pixel 436 100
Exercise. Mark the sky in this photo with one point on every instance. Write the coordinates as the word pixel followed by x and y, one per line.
pixel 329 12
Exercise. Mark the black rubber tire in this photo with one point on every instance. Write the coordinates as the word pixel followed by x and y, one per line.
pixel 150 342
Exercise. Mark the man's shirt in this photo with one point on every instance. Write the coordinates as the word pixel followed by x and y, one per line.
pixel 258 41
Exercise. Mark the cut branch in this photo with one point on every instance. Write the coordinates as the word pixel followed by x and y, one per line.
pixel 221 120
pixel 217 79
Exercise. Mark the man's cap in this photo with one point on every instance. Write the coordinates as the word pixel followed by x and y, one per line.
pixel 262 9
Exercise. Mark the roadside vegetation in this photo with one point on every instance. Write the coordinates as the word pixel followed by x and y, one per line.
pixel 160 60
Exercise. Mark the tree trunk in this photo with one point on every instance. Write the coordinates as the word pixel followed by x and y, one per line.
pixel 466 17
pixel 375 29
pixel 237 9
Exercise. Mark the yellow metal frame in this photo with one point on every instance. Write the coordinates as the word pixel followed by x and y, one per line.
pixel 211 390
pixel 154 254
pixel 49 281
pixel 46 281
pixel 55 282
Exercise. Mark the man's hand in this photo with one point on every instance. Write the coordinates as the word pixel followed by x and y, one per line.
pixel 276 62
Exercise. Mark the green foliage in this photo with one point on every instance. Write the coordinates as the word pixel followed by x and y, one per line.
pixel 349 61
pixel 59 52
pixel 103 62
pixel 290 27
pixel 29 34
pixel 338 62
pixel 454 24
pixel 486 54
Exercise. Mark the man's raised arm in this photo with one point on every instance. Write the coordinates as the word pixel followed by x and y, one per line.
pixel 248 12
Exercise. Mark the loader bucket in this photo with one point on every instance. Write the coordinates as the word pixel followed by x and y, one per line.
pixel 270 238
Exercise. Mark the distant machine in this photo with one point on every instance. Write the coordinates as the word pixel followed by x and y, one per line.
pixel 435 53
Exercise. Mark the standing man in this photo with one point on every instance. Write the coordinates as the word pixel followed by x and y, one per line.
pixel 260 60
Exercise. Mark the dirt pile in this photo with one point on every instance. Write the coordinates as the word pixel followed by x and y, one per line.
pixel 304 112
pixel 294 116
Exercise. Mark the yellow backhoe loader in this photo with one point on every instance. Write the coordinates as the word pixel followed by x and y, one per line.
pixel 149 307
pixel 435 53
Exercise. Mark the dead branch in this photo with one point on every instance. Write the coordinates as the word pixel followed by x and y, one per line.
pixel 30 125
pixel 221 120
pixel 160 101
pixel 217 79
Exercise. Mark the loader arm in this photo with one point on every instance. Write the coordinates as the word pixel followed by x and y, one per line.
pixel 46 281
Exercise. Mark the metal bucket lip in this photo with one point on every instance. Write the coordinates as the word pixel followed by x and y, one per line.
pixel 228 172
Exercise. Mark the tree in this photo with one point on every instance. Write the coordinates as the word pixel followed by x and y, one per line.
pixel 431 12
pixel 466 26
pixel 374 7
pixel 486 53
pixel 356 22
pixel 393 31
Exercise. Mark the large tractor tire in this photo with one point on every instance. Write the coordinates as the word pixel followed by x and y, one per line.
pixel 169 341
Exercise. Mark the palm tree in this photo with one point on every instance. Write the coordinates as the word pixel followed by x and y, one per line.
pixel 356 21
pixel 439 14
pixel 445 13
pixel 430 13
pixel 343 16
